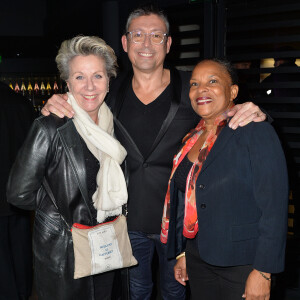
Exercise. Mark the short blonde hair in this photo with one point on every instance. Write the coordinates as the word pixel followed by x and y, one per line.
pixel 85 45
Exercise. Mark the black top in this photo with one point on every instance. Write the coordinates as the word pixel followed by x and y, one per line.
pixel 181 173
pixel 149 175
pixel 143 122
pixel 92 166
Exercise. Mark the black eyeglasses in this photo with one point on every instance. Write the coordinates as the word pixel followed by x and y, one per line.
pixel 138 37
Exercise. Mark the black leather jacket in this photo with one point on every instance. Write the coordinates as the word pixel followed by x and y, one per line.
pixel 53 151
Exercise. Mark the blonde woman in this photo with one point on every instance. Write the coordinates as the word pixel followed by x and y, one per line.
pixel 80 160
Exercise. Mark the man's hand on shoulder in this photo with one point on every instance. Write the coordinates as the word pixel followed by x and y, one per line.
pixel 245 113
pixel 59 106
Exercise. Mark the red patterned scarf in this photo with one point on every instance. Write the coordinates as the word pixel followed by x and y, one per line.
pixel 190 222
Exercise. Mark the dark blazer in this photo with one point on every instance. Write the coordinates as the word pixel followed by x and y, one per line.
pixel 242 200
pixel 52 150
pixel 148 176
pixel 16 117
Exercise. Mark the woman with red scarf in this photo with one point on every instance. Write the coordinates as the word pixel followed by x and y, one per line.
pixel 225 214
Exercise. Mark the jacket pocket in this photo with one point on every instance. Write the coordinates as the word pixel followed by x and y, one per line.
pixel 46 224
pixel 50 241
pixel 244 232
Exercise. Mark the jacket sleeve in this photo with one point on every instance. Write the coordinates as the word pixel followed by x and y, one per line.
pixel 270 187
pixel 28 170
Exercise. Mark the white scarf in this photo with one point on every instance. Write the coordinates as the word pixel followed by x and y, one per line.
pixel 111 192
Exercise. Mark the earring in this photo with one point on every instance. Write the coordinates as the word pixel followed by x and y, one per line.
pixel 107 89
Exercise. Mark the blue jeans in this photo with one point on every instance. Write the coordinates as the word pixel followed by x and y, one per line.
pixel 140 276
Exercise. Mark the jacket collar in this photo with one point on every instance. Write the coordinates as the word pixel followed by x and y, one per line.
pixel 221 142
pixel 72 144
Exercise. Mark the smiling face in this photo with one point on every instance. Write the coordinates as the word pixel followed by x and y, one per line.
pixel 88 83
pixel 211 90
pixel 147 57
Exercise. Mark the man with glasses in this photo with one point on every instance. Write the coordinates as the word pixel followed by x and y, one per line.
pixel 138 37
pixel 152 114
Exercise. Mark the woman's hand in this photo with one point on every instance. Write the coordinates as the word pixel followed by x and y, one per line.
pixel 59 106
pixel 245 113
pixel 257 287
pixel 180 273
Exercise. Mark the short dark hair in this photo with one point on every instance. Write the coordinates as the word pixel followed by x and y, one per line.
pixel 147 10
pixel 226 64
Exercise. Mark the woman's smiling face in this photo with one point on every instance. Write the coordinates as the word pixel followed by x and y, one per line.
pixel 211 90
pixel 88 82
